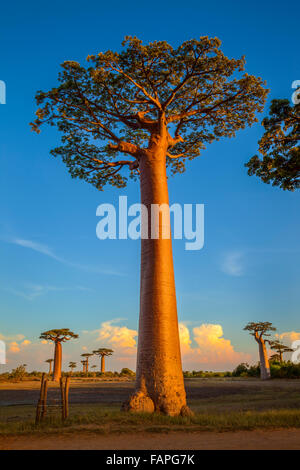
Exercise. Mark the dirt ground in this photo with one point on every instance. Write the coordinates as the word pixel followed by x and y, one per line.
pixel 204 396
pixel 285 439
pixel 27 393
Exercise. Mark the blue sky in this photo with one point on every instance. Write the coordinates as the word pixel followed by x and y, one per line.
pixel 54 271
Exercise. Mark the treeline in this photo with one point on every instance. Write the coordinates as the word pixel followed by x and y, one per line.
pixel 20 373
pixel 279 370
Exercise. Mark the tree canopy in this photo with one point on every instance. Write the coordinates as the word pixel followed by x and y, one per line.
pixel 279 147
pixel 124 100
pixel 103 352
pixel 279 347
pixel 259 329
pixel 58 335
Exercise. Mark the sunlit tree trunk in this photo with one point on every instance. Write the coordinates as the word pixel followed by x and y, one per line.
pixel 57 361
pixel 265 373
pixel 102 364
pixel 159 381
pixel 50 368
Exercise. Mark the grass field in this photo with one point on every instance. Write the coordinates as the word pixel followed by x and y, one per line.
pixel 218 404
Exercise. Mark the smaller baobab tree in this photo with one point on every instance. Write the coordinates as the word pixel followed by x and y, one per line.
pixel 103 352
pixel 58 336
pixel 72 366
pixel 94 370
pixel 83 366
pixel 50 361
pixel 87 356
pixel 279 349
pixel 260 330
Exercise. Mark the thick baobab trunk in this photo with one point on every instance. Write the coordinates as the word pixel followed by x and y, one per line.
pixel 265 373
pixel 57 361
pixel 159 381
pixel 102 364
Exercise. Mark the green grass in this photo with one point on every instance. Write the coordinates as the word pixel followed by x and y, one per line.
pixel 20 420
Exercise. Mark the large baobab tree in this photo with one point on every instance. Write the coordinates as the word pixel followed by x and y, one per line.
pixel 159 106
pixel 279 348
pixel 58 336
pixel 87 356
pixel 50 365
pixel 279 147
pixel 103 352
pixel 260 330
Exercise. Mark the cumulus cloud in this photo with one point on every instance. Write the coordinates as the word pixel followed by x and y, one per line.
pixel 14 347
pixel 288 336
pixel 120 338
pixel 208 349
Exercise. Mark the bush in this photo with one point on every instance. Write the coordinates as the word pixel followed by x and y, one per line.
pixel 18 373
pixel 126 371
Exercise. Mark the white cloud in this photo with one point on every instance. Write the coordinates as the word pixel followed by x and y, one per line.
pixel 232 264
pixel 30 291
pixel 46 250
pixel 210 349
pixel 288 336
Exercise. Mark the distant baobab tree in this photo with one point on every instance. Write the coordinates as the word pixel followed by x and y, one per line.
pixel 50 365
pixel 280 349
pixel 87 356
pixel 260 330
pixel 94 370
pixel 58 336
pixel 72 366
pixel 159 106
pixel 83 366
pixel 103 352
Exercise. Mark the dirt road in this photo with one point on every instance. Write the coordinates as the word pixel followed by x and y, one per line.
pixel 285 439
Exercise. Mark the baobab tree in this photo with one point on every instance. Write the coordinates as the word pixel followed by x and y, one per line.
pixel 83 366
pixel 103 352
pixel 260 330
pixel 58 337
pixel 94 370
pixel 160 106
pixel 279 147
pixel 72 366
pixel 280 348
pixel 87 356
pixel 50 365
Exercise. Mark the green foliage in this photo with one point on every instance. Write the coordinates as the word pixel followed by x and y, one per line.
pixel 279 147
pixel 279 347
pixel 103 352
pixel 279 370
pixel 126 371
pixel 59 335
pixel 205 375
pixel 125 102
pixel 18 373
pixel 259 329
